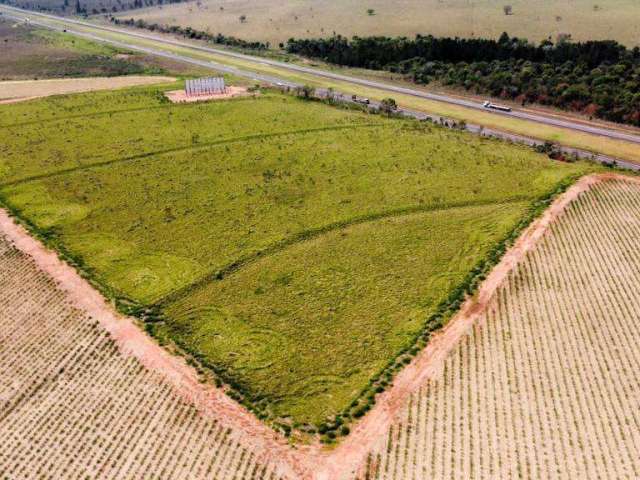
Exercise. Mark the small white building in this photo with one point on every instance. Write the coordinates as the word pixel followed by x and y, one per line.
pixel 205 86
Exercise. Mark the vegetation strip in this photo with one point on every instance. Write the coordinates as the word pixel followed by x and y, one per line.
pixel 597 78
pixel 202 146
pixel 562 327
pixel 235 266
pixel 84 115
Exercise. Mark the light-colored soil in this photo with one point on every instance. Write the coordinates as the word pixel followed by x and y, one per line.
pixel 179 96
pixel 277 21
pixel 429 363
pixel 21 90
pixel 132 407
pixel 49 313
pixel 540 381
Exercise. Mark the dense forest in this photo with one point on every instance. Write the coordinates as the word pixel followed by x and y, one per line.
pixel 188 32
pixel 599 78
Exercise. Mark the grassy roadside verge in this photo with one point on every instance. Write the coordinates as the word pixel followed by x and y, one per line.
pixel 594 143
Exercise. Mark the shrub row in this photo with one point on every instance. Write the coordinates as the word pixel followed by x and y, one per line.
pixel 188 32
pixel 598 78
pixel 445 310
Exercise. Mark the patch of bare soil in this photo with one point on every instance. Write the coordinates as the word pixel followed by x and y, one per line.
pixel 16 100
pixel 20 90
pixel 311 461
pixel 179 96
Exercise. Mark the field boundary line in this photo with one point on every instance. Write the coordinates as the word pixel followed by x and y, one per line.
pixel 173 369
pixel 81 115
pixel 114 112
pixel 351 453
pixel 199 146
pixel 313 233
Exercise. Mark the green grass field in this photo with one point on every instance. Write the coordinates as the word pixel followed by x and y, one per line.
pixel 276 21
pixel 294 247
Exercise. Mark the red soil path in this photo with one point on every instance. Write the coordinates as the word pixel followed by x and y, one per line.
pixel 312 461
pixel 351 453
pixel 133 341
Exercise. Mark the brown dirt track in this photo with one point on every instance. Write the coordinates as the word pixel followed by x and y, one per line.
pixel 305 462
pixel 132 341
pixel 21 90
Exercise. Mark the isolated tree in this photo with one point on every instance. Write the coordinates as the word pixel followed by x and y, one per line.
pixel 508 10
pixel 371 12
pixel 243 19
pixel 388 105
pixel 305 91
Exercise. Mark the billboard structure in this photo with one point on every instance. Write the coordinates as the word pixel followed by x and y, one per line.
pixel 205 86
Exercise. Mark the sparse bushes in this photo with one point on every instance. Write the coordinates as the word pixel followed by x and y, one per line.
pixel 191 33
pixel 305 91
pixel 388 106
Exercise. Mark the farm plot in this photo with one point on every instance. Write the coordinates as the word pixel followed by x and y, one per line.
pixel 74 406
pixel 545 385
pixel 372 284
pixel 293 221
pixel 28 89
pixel 69 133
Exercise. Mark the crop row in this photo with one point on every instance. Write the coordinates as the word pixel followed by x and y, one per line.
pixel 545 384
pixel 73 406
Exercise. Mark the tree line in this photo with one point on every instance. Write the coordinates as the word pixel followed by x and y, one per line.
pixel 599 78
pixel 188 32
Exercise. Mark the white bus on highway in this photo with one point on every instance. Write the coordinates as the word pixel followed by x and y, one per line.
pixel 494 106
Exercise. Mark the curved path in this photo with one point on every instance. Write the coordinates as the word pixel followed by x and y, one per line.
pixel 310 234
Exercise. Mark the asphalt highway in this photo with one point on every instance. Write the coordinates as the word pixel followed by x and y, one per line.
pixel 61 23
pixel 591 129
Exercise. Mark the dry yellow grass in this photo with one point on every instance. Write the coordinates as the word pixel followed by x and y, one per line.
pixel 276 21
pixel 545 385
pixel 11 91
